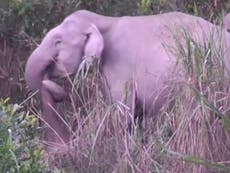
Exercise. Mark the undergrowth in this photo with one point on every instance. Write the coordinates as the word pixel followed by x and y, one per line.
pixel 20 151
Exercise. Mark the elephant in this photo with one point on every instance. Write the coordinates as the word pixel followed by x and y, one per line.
pixel 131 51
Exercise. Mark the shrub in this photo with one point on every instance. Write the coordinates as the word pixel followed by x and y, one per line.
pixel 33 18
pixel 20 151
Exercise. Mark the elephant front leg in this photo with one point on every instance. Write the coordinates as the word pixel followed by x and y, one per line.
pixel 56 134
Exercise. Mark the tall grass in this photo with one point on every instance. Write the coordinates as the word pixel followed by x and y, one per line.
pixel 191 135
pixel 199 118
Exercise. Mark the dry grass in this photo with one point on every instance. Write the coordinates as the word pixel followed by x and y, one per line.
pixel 11 71
pixel 192 135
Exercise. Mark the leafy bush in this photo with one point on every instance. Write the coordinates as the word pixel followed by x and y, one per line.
pixel 19 149
pixel 33 18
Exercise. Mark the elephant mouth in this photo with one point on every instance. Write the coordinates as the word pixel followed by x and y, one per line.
pixel 49 70
pixel 56 70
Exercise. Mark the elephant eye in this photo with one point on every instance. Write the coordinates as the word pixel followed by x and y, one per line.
pixel 87 36
pixel 58 42
pixel 228 30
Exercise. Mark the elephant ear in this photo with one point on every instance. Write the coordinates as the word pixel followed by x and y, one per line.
pixel 94 43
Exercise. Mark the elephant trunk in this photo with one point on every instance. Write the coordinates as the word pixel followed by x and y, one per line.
pixel 36 68
pixel 56 132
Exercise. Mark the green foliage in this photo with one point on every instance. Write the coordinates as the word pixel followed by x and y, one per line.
pixel 19 152
pixel 207 9
pixel 143 6
pixel 111 7
pixel 26 18
pixel 33 18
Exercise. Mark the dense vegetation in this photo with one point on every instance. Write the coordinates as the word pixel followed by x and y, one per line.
pixel 191 136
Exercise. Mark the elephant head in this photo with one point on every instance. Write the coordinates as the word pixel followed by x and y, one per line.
pixel 62 50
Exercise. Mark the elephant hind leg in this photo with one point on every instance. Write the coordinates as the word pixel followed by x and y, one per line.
pixel 137 110
pixel 139 113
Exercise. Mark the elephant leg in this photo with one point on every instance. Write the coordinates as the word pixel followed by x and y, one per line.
pixel 127 94
pixel 137 115
pixel 131 102
pixel 56 131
